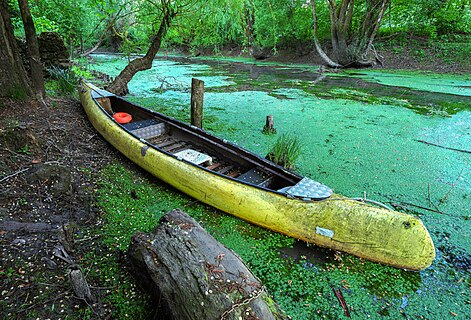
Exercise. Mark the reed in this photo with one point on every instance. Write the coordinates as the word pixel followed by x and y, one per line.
pixel 285 151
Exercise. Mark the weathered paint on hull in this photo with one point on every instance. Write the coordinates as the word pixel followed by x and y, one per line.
pixel 377 234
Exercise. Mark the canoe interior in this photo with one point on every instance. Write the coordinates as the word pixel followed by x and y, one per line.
pixel 199 147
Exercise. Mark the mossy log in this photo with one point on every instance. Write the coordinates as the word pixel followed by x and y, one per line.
pixel 192 276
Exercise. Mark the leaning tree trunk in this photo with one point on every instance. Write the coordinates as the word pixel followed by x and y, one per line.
pixel 192 276
pixel 370 27
pixel 120 84
pixel 13 77
pixel 34 58
pixel 321 52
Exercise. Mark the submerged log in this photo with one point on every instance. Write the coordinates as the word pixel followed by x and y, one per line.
pixel 192 276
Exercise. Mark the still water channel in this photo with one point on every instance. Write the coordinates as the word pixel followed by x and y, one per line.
pixel 403 138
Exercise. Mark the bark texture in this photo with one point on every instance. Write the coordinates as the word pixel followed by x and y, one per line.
pixel 197 98
pixel 13 77
pixel 192 276
pixel 32 46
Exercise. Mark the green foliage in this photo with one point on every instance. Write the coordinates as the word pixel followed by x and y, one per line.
pixel 17 93
pixel 43 24
pixel 127 301
pixel 80 72
pixel 428 18
pixel 219 24
pixel 65 81
pixel 285 151
pixel 131 204
pixel 24 150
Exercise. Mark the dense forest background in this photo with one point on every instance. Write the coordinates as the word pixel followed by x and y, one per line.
pixel 343 33
pixel 215 26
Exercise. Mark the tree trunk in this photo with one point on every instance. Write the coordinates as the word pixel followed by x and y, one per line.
pixel 13 77
pixel 120 84
pixel 192 276
pixel 321 52
pixel 34 57
pixel 109 26
pixel 351 48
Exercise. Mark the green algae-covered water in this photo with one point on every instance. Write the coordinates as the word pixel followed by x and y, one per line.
pixel 402 138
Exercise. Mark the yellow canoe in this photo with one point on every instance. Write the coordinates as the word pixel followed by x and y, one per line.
pixel 247 186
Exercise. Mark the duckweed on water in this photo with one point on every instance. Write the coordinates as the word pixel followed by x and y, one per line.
pixel 363 137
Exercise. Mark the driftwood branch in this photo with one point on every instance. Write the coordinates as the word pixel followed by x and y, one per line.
pixel 444 147
pixel 192 276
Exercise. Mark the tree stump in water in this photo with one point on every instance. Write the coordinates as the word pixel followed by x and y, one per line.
pixel 269 127
pixel 192 276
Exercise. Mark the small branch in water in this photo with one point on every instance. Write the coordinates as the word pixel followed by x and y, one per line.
pixel 442 200
pixel 430 199
pixel 401 205
pixel 444 147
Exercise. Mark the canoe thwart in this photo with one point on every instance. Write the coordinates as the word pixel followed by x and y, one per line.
pixel 257 177
pixel 309 190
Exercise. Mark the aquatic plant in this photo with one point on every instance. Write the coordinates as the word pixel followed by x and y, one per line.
pixel 285 151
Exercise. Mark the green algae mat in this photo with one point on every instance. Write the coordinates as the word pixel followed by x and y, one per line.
pixel 402 138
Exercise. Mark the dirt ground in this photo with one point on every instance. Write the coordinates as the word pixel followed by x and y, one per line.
pixel 49 165
pixel 48 172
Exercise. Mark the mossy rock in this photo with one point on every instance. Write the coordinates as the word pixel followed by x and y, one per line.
pixel 58 178
pixel 19 138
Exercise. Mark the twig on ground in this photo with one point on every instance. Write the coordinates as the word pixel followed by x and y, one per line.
pixel 342 301
pixel 430 199
pixel 13 174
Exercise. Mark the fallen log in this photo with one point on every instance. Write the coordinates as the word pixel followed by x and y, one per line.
pixel 192 276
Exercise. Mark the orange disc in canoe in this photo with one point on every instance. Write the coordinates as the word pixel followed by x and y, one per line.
pixel 122 117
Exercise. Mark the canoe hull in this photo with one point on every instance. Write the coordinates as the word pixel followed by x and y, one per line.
pixel 377 234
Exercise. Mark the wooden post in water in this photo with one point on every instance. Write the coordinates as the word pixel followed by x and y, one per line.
pixel 269 127
pixel 197 95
